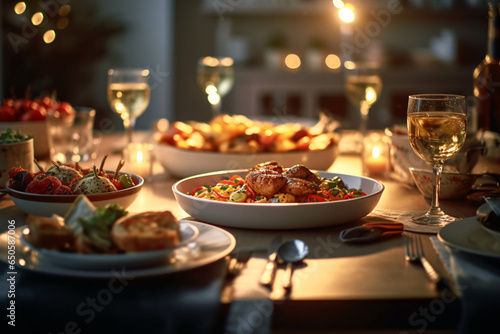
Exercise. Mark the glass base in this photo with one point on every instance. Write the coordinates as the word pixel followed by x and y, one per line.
pixel 434 219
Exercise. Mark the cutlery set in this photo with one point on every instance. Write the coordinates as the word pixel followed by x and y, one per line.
pixel 288 252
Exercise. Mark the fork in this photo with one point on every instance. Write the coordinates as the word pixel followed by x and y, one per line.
pixel 415 253
pixel 238 262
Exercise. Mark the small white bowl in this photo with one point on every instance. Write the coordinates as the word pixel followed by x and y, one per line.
pixel 453 185
pixel 47 205
pixel 36 129
pixel 183 163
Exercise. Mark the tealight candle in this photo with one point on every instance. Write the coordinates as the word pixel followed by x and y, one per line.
pixel 375 160
pixel 138 159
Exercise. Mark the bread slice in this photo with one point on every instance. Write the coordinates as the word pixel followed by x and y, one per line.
pixel 146 231
pixel 49 233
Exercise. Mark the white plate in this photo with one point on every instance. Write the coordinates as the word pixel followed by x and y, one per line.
pixel 184 163
pixel 483 211
pixel 277 215
pixel 468 236
pixel 211 245
pixel 188 232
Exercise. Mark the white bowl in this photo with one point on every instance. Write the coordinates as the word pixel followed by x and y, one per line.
pixel 453 185
pixel 36 129
pixel 277 215
pixel 47 205
pixel 183 163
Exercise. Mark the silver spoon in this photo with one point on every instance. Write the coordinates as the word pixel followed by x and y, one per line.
pixel 291 252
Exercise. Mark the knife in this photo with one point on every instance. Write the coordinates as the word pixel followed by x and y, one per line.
pixel 267 277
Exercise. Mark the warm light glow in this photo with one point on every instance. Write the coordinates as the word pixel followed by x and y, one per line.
pixel 346 14
pixel 49 36
pixel 210 61
pixel 332 61
pixel 139 156
pixel 22 262
pixel 338 3
pixel 227 62
pixel 19 8
pixel 214 98
pixel 145 73
pixel 37 18
pixel 62 23
pixel 26 231
pixel 292 61
pixel 64 10
pixel 211 89
pixel 350 65
pixel 370 95
pixel 376 152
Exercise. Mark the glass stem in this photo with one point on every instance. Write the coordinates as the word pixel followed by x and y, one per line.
pixel 216 109
pixel 435 209
pixel 364 110
pixel 129 129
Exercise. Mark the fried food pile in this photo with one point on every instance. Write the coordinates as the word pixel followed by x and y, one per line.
pixel 239 134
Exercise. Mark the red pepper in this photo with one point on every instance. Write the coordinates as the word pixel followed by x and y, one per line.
pixel 316 197
pixel 194 191
pixel 235 177
pixel 347 196
pixel 231 183
pixel 327 193
pixel 219 195
pixel 251 192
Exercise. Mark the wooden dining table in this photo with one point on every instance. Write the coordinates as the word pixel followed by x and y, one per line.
pixel 339 287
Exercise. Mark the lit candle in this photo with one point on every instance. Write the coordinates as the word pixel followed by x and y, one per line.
pixel 375 163
pixel 138 159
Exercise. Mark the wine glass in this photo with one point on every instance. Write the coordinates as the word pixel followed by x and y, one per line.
pixel 437 127
pixel 215 76
pixel 363 86
pixel 128 95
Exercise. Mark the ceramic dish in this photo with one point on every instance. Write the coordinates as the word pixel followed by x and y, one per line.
pixel 183 163
pixel 212 244
pixel 482 212
pixel 37 129
pixel 453 185
pixel 467 235
pixel 277 215
pixel 188 233
pixel 47 205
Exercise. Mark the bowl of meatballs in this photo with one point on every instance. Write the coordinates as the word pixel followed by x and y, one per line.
pixel 271 196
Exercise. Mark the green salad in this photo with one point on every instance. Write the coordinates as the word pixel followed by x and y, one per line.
pixel 10 136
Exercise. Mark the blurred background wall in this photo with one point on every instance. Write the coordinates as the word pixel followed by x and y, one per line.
pixel 422 45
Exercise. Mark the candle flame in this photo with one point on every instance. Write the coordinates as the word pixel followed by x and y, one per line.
pixel 376 152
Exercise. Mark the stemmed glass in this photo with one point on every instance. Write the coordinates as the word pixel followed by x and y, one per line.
pixel 437 127
pixel 215 76
pixel 128 95
pixel 363 86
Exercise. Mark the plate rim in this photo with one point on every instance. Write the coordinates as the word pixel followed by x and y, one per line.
pixel 203 228
pixel 474 224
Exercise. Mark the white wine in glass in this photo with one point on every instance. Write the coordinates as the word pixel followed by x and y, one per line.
pixel 128 95
pixel 363 86
pixel 437 128
pixel 215 76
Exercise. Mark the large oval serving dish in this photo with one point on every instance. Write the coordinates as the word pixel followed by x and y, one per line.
pixel 183 163
pixel 47 205
pixel 277 215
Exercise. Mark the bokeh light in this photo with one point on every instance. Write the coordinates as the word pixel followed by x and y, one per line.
pixel 338 3
pixel 19 8
pixel 292 61
pixel 37 18
pixel 346 14
pixel 332 61
pixel 49 36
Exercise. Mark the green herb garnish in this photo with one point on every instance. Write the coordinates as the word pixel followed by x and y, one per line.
pixel 10 136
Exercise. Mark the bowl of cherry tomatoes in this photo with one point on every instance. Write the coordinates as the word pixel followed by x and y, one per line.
pixel 29 117
pixel 54 191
